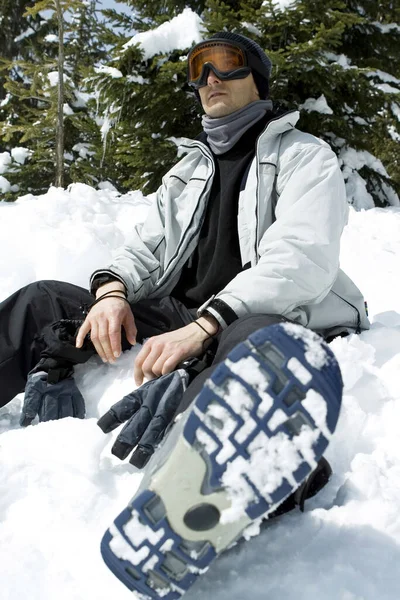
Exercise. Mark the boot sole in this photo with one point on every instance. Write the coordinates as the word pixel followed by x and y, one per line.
pixel 234 456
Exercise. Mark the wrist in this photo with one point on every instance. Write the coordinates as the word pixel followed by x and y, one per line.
pixel 113 286
pixel 210 324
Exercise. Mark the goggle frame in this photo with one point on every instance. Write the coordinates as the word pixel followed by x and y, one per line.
pixel 239 73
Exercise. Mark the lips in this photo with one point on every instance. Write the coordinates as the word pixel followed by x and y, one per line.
pixel 215 94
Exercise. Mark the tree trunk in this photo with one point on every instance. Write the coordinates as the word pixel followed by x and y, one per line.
pixel 60 105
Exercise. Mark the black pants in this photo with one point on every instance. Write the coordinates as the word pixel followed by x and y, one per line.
pixel 24 315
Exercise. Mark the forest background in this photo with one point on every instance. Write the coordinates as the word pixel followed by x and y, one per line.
pixel 84 98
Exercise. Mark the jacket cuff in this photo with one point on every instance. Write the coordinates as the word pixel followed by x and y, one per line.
pixel 218 309
pixel 102 277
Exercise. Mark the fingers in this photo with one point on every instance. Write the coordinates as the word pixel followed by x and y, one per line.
pixel 141 456
pixel 120 411
pixel 78 402
pixel 104 343
pixel 34 389
pixel 95 337
pixel 138 373
pixel 130 328
pixel 83 331
pixel 114 340
pixel 162 353
pixel 149 362
pixel 131 433
pixel 104 323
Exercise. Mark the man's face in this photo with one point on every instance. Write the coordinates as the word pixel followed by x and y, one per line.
pixel 220 98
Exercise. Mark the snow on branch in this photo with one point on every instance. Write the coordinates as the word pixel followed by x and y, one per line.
pixel 177 34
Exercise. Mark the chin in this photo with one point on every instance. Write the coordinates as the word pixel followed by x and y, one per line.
pixel 218 111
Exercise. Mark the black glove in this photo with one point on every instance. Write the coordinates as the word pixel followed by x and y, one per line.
pixel 148 411
pixel 51 392
pixel 51 400
pixel 60 353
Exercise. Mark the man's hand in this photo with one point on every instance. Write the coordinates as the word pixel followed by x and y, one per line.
pixel 162 353
pixel 104 323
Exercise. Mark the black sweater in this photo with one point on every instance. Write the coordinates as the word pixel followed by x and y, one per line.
pixel 216 260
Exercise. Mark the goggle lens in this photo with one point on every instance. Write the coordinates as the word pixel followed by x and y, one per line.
pixel 224 57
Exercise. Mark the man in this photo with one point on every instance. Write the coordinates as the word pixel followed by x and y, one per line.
pixel 243 235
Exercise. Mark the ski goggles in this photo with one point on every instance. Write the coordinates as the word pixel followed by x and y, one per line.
pixel 227 60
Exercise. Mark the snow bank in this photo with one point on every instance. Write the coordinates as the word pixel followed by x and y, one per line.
pixel 66 234
pixel 61 487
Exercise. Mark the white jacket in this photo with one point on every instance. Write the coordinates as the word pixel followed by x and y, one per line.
pixel 291 215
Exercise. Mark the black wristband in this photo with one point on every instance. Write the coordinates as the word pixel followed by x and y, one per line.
pixel 210 335
pixel 109 295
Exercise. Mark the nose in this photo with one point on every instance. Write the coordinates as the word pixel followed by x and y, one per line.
pixel 212 77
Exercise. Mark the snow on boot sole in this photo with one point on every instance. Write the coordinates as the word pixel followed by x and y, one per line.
pixel 252 436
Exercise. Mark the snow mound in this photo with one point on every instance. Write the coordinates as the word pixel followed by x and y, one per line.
pixel 61 487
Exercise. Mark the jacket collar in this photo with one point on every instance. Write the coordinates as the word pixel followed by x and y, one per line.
pixel 276 126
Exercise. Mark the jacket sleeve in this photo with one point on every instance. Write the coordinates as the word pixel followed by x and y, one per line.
pixel 299 253
pixel 138 264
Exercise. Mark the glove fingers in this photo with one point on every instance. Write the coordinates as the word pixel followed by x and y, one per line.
pixel 154 432
pixel 35 386
pixel 148 442
pixel 121 449
pixel 79 408
pixel 149 409
pixel 131 433
pixel 62 400
pixel 141 456
pixel 49 410
pixel 120 412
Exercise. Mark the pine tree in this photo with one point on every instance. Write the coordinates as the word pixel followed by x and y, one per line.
pixel 19 34
pixel 328 60
pixel 30 117
pixel 144 101
pixel 323 63
pixel 338 63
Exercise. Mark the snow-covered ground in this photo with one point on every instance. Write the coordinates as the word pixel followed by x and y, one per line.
pixel 61 487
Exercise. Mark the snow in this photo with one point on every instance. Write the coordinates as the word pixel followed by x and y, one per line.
pixel 317 104
pixel 179 33
pixel 111 71
pixel 6 100
pixel 280 4
pixel 387 27
pixel 62 487
pixel 67 110
pixel 5 185
pixel 383 76
pixel 341 59
pixel 396 110
pixel 27 33
pixel 393 133
pixel 5 161
pixel 20 154
pixel 357 194
pixel 386 88
pixel 53 78
pixel 315 354
pixel 51 38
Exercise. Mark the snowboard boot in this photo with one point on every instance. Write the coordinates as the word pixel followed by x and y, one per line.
pixel 251 438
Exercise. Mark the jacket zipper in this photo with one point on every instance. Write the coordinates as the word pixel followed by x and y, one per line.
pixel 256 243
pixel 166 274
